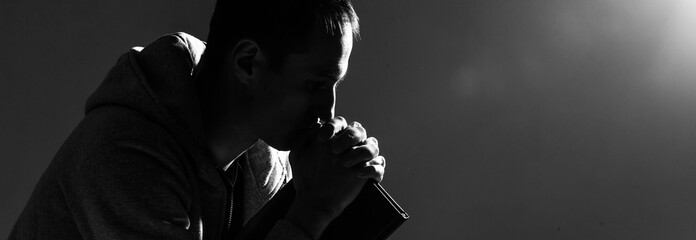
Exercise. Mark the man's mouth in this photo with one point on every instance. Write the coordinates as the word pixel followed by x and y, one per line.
pixel 316 124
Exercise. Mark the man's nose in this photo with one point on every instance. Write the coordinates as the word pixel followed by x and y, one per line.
pixel 325 107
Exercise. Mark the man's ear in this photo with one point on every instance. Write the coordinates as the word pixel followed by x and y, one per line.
pixel 245 56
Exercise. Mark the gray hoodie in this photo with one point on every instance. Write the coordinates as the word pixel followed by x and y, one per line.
pixel 135 166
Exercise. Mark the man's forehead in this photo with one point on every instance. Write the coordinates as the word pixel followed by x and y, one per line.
pixel 327 56
pixel 322 42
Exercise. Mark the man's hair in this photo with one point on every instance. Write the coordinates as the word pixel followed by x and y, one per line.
pixel 280 27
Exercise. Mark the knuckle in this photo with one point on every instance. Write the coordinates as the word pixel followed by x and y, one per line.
pixel 380 171
pixel 372 152
pixel 356 124
pixel 368 170
pixel 372 147
pixel 344 138
pixel 338 123
pixel 363 152
pixel 376 169
pixel 350 131
pixel 350 135
pixel 374 140
pixel 340 119
pixel 361 130
pixel 357 134
pixel 336 126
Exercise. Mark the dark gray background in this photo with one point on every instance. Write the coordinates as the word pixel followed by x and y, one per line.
pixel 499 119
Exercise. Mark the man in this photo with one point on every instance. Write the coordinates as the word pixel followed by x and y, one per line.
pixel 177 144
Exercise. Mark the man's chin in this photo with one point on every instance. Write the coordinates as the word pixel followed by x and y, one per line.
pixel 290 139
pixel 283 143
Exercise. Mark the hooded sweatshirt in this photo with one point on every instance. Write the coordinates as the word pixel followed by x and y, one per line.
pixel 135 167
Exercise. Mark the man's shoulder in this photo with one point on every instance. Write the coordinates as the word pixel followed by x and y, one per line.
pixel 172 45
pixel 111 124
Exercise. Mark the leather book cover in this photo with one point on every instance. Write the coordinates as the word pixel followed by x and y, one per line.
pixel 373 215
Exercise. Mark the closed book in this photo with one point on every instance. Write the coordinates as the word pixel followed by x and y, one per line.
pixel 373 215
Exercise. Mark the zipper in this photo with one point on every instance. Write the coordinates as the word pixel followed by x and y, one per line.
pixel 229 183
pixel 234 218
pixel 230 201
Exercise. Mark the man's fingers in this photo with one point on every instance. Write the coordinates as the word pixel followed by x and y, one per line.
pixel 373 169
pixel 331 127
pixel 362 153
pixel 353 135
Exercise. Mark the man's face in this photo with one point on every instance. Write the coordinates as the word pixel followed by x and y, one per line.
pixel 303 89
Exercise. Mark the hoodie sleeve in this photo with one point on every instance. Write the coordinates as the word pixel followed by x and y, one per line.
pixel 127 190
pixel 286 230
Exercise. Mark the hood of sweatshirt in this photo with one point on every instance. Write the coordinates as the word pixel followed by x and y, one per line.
pixel 157 81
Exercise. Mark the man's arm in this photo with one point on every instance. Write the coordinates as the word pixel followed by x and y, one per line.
pixel 330 166
pixel 127 190
pixel 332 177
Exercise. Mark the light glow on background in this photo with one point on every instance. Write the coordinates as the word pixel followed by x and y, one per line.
pixel 507 119
pixel 675 65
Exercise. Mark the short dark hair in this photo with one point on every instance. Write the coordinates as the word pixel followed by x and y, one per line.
pixel 280 27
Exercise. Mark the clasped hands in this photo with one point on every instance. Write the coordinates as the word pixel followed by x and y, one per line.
pixel 331 163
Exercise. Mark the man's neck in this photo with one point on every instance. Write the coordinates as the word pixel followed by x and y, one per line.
pixel 227 133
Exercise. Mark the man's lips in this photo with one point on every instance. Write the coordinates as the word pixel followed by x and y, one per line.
pixel 313 124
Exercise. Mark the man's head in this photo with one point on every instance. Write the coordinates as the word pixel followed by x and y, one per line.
pixel 286 58
pixel 280 27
